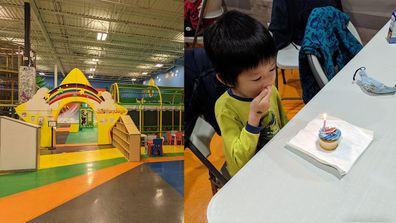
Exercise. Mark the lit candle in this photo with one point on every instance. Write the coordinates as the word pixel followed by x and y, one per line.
pixel 324 120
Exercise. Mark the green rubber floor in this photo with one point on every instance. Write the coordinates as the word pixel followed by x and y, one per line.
pixel 85 135
pixel 17 182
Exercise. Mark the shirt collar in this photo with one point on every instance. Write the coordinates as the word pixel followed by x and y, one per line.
pixel 229 91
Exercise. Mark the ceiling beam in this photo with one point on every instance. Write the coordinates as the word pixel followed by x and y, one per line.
pixel 105 52
pixel 39 19
pixel 132 35
pixel 111 61
pixel 123 21
pixel 124 45
pixel 137 11
pixel 117 44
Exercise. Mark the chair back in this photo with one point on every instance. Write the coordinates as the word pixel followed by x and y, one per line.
pixel 354 32
pixel 213 9
pixel 168 137
pixel 318 70
pixel 168 134
pixel 179 136
pixel 199 144
pixel 157 147
pixel 202 135
pixel 157 141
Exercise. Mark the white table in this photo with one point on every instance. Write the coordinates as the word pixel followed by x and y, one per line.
pixel 278 185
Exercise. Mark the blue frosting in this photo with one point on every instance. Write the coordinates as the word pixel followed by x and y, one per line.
pixel 329 136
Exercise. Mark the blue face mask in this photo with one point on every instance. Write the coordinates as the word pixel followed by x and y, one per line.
pixel 370 85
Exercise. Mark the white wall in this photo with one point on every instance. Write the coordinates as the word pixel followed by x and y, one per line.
pixel 173 78
pixel 368 15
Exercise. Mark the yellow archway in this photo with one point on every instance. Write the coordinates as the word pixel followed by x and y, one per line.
pixel 46 105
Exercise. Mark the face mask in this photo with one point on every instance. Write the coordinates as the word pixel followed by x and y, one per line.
pixel 370 85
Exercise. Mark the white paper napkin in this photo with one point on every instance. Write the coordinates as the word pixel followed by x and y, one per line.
pixel 353 143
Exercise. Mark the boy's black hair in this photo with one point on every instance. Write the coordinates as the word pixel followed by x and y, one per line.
pixel 237 42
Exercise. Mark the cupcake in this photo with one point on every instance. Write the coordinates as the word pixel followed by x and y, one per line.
pixel 329 138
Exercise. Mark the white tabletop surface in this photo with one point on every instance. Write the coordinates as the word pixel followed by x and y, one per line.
pixel 278 185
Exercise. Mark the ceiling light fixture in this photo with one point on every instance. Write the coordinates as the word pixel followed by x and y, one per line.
pixel 104 36
pixel 101 36
pixel 133 79
pixel 159 65
pixel 92 69
pixel 144 73
pixel 41 73
pixel 95 60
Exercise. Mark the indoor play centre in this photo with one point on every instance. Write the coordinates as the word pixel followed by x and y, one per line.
pixel 55 125
pixel 66 144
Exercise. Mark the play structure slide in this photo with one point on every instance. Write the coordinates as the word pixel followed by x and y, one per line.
pixel 69 114
pixel 19 145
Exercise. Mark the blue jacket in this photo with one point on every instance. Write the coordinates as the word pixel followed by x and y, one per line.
pixel 328 38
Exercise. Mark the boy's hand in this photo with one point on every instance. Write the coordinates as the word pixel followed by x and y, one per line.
pixel 259 106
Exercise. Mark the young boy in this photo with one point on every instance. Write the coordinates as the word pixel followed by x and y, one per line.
pixel 250 112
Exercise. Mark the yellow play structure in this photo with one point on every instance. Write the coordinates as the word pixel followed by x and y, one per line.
pixel 44 107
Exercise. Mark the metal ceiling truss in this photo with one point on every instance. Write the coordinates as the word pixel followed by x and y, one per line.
pixel 140 34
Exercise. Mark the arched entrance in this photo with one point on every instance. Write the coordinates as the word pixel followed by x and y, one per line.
pixel 76 125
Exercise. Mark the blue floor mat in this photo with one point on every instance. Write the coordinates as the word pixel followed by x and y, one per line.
pixel 172 172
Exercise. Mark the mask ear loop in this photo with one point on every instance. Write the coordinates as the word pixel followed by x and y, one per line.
pixel 361 68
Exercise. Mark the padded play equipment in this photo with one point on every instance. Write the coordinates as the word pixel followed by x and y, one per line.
pixel 155 109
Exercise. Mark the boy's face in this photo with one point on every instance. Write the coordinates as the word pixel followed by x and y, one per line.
pixel 251 82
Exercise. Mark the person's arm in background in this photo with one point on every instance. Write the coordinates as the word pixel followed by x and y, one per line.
pixel 279 26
